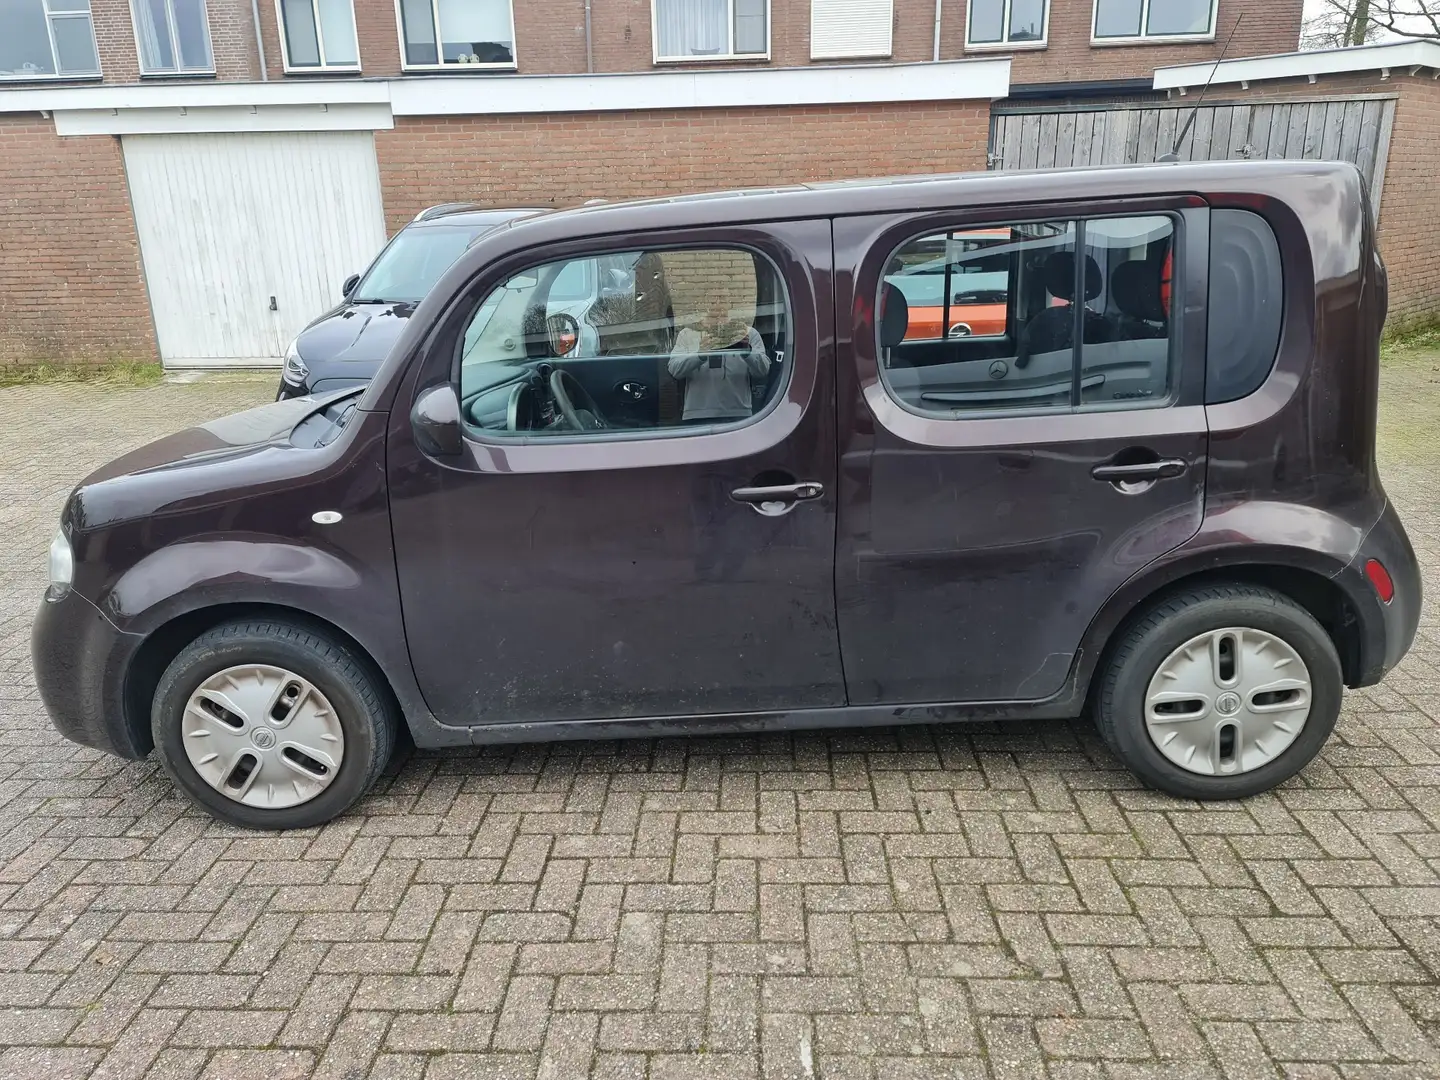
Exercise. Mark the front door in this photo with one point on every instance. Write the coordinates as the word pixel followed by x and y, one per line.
pixel 593 557
pixel 999 485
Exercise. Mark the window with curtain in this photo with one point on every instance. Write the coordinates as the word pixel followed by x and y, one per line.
pixel 318 34
pixel 174 36
pixel 1006 22
pixel 711 29
pixel 47 39
pixel 441 33
pixel 1140 19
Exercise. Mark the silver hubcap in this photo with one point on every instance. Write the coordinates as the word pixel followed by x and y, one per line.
pixel 1228 701
pixel 263 736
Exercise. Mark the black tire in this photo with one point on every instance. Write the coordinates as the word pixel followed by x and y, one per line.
pixel 361 703
pixel 1151 638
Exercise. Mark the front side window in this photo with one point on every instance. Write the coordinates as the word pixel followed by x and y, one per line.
pixel 1006 23
pixel 711 29
pixel 1138 20
pixel 627 342
pixel 174 37
pixel 446 33
pixel 46 39
pixel 318 34
pixel 987 320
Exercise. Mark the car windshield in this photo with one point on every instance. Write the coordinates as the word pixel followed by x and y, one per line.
pixel 413 262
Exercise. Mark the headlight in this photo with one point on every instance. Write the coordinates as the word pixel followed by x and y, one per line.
pixel 62 565
pixel 295 372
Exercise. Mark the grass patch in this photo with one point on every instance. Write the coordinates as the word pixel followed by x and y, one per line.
pixel 126 373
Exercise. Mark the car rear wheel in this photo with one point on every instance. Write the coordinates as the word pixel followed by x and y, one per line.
pixel 268 724
pixel 1220 692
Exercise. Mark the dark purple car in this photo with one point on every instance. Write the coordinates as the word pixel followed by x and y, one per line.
pixel 729 492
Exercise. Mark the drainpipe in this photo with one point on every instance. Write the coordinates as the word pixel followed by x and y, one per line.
pixel 589 42
pixel 939 4
pixel 260 42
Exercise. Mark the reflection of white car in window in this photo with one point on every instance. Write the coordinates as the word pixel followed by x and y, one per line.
pixel 574 291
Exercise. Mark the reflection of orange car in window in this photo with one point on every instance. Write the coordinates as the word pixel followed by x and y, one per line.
pixel 979 287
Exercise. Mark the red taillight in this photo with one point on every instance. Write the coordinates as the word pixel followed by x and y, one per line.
pixel 1380 578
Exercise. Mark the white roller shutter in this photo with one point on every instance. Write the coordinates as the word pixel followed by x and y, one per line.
pixel 850 28
pixel 246 237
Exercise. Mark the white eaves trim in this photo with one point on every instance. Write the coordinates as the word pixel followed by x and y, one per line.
pixel 703 89
pixel 354 104
pixel 1394 55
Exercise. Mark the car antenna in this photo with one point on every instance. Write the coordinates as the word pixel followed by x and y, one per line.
pixel 1174 154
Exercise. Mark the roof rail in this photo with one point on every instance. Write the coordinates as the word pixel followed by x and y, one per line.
pixel 442 209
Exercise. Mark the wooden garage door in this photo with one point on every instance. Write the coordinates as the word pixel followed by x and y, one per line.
pixel 246 237
pixel 1355 129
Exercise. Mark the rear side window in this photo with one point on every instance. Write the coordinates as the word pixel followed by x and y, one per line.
pixel 1036 316
pixel 1247 298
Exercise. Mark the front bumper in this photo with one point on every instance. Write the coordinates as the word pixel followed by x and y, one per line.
pixel 1386 630
pixel 81 660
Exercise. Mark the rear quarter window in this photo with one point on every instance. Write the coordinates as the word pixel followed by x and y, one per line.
pixel 1246 304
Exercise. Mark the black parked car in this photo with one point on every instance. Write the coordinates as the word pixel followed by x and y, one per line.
pixel 344 346
pixel 738 494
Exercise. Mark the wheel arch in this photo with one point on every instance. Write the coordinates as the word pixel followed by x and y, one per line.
pixel 1303 579
pixel 166 641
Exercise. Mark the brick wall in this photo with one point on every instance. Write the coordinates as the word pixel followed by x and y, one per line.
pixel 1269 26
pixel 71 288
pixel 563 159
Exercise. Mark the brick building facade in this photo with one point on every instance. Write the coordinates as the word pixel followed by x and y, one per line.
pixel 892 93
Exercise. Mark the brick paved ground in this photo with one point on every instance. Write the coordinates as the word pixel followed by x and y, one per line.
pixel 947 902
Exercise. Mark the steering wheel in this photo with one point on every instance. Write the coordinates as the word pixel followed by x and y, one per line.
pixel 567 392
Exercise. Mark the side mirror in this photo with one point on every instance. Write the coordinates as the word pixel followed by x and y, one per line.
pixel 349 286
pixel 435 420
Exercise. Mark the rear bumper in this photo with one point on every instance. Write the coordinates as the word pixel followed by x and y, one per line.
pixel 80 660
pixel 1387 630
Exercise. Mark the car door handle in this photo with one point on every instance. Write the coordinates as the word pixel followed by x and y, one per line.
pixel 772 500
pixel 1164 469
pixel 636 391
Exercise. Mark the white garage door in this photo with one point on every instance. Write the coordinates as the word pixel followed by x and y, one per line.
pixel 247 237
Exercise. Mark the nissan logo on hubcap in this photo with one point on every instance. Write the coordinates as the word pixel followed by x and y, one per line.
pixel 1228 704
pixel 264 738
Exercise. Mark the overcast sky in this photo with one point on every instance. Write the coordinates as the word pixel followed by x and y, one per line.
pixel 1314 6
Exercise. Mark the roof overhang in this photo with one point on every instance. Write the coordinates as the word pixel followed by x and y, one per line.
pixel 1392 56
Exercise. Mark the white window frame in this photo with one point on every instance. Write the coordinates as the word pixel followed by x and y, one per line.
pixel 177 72
pixel 719 58
pixel 1150 39
pixel 454 69
pixel 61 76
pixel 1006 45
pixel 306 69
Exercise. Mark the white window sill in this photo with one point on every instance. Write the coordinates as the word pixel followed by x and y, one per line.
pixel 822 57
pixel 452 69
pixel 94 76
pixel 330 69
pixel 195 74
pixel 1168 39
pixel 728 58
pixel 1006 46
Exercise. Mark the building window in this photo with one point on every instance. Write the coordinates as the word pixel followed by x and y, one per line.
pixel 457 33
pixel 174 37
pixel 840 29
pixel 711 29
pixel 318 34
pixel 1007 24
pixel 1152 20
pixel 47 39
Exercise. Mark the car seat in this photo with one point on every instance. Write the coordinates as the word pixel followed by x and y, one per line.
pixel 1135 288
pixel 1053 328
pixel 894 320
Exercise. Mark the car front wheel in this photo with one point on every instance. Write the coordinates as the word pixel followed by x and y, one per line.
pixel 1220 692
pixel 269 724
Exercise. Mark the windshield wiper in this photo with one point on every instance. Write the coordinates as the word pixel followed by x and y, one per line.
pixel 379 300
